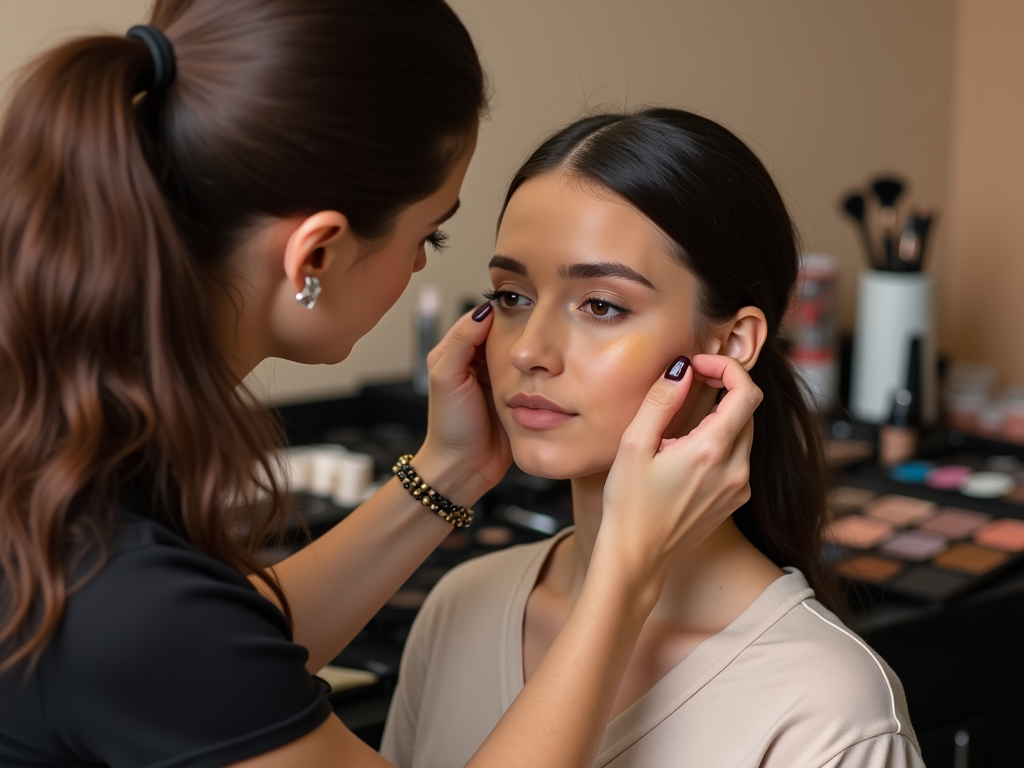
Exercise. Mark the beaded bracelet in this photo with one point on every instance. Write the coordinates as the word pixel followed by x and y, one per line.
pixel 452 513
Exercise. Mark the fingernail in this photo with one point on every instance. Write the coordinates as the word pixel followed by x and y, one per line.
pixel 482 311
pixel 721 395
pixel 677 370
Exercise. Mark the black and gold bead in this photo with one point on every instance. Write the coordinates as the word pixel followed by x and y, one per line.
pixel 460 517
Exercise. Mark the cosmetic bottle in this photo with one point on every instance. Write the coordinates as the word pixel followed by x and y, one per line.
pixel 427 308
pixel 897 440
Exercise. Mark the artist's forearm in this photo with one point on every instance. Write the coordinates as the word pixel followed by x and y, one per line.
pixel 559 717
pixel 337 583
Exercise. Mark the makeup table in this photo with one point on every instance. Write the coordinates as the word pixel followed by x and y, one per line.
pixel 961 660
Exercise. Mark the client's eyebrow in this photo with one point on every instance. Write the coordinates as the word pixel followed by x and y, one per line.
pixel 592 269
pixel 451 212
pixel 508 264
pixel 584 271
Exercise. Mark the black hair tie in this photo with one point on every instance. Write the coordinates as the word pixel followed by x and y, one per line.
pixel 162 53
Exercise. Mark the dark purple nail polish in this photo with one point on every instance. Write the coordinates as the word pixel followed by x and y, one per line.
pixel 482 311
pixel 677 370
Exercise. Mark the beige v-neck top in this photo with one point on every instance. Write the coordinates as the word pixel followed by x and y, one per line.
pixel 785 684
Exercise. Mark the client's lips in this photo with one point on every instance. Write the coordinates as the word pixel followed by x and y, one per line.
pixel 537 412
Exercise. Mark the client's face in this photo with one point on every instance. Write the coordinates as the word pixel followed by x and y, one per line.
pixel 591 309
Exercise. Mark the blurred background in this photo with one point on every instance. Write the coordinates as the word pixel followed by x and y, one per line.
pixel 828 94
pixel 928 504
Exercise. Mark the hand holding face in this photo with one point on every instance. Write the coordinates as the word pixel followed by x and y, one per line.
pixel 664 496
pixel 466 451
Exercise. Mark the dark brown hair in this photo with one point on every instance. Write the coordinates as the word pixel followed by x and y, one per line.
pixel 711 195
pixel 117 213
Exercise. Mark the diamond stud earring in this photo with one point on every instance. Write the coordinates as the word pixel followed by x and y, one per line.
pixel 310 293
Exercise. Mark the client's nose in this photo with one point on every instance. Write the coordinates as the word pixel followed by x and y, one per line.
pixel 539 348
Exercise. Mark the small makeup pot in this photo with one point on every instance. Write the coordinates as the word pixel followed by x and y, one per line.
pixel 353 475
pixel 324 469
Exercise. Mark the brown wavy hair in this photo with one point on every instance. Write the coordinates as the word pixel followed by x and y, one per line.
pixel 704 188
pixel 118 211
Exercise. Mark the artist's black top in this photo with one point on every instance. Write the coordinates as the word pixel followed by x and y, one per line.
pixel 166 658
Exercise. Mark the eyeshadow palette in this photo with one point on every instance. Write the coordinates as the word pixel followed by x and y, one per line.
pixel 915 547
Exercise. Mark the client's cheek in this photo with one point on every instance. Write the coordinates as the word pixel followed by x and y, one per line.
pixel 618 365
pixel 496 354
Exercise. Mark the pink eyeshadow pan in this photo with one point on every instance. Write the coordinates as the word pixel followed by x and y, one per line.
pixel 1006 535
pixel 955 523
pixel 901 511
pixel 913 545
pixel 948 477
pixel 858 531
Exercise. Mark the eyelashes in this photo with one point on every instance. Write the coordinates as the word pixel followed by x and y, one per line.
pixel 499 299
pixel 437 240
pixel 506 302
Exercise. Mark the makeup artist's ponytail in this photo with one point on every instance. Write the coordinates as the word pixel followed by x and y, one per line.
pixel 118 212
pixel 712 196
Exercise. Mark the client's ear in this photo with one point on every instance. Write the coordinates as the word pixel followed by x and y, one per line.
pixel 742 337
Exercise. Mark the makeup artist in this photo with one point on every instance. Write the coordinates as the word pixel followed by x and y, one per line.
pixel 244 179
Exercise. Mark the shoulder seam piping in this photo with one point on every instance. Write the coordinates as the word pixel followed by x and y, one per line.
pixel 892 696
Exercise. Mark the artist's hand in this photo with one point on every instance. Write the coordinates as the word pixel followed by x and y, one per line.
pixel 466 451
pixel 664 496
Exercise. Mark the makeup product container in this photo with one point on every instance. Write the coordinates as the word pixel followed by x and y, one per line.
pixel 427 308
pixel 897 440
pixel 967 389
pixel 353 475
pixel 300 468
pixel 324 460
pixel 1013 422
pixel 892 309
pixel 811 327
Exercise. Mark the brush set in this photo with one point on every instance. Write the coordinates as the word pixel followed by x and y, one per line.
pixel 891 249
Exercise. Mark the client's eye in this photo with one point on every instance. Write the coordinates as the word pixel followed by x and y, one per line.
pixel 507 300
pixel 604 310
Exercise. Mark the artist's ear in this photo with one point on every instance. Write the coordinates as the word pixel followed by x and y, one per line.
pixel 742 337
pixel 318 242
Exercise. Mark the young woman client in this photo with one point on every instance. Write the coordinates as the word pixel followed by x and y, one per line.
pixel 245 179
pixel 622 238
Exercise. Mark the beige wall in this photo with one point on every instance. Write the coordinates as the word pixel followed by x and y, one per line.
pixel 826 92
pixel 28 26
pixel 983 295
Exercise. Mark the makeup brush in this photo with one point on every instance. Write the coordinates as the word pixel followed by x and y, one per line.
pixel 888 189
pixel 910 245
pixel 853 205
pixel 922 219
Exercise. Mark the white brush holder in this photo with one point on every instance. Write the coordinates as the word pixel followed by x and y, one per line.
pixel 892 309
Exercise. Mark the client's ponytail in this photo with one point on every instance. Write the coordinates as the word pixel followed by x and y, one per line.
pixel 789 478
